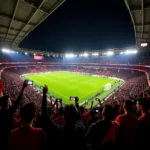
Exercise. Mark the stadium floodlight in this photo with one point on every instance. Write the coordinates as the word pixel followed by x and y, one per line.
pixel 131 52
pixel 6 50
pixel 85 55
pixel 70 55
pixel 110 53
pixel 94 54
pixel 144 44
pixel 26 53
pixel 135 52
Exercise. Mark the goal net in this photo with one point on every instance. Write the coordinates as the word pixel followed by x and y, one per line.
pixel 107 87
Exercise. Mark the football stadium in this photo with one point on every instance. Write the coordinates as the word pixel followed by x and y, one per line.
pixel 87 99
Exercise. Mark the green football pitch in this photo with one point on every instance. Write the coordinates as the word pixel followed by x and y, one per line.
pixel 66 84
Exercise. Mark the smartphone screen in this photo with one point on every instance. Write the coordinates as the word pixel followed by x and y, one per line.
pixel 30 83
pixel 72 98
pixel 97 111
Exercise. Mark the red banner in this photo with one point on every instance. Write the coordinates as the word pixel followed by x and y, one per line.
pixel 1 87
pixel 38 57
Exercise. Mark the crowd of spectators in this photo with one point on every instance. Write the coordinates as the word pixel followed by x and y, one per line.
pixel 135 81
pixel 13 82
pixel 30 120
pixel 73 127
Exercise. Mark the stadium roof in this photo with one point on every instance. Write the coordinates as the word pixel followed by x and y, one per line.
pixel 19 17
pixel 140 15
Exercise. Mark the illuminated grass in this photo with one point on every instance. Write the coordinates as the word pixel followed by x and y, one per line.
pixel 66 84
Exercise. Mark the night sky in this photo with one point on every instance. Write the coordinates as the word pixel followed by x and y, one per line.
pixel 80 25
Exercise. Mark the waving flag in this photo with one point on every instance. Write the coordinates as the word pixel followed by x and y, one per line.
pixel 1 87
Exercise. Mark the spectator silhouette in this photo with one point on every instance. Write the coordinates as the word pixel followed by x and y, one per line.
pixel 128 128
pixel 7 115
pixel 102 134
pixel 69 136
pixel 26 137
pixel 93 118
pixel 144 123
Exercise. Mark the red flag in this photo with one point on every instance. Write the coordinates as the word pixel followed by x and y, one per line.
pixel 1 87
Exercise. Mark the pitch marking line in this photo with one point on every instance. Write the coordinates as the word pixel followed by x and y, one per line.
pixel 72 86
pixel 56 91
pixel 68 97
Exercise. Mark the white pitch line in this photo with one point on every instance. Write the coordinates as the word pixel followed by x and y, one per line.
pixel 59 93
pixel 66 96
pixel 87 82
pixel 88 93
pixel 64 84
pixel 55 91
pixel 72 86
pixel 55 81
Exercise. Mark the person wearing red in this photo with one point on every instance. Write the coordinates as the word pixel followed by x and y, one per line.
pixel 102 134
pixel 85 115
pixel 26 137
pixel 93 118
pixel 127 135
pixel 60 119
pixel 143 105
pixel 7 112
pixel 71 135
pixel 60 111
pixel 1 87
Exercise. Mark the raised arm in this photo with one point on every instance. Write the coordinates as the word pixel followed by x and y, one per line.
pixel 61 104
pixel 44 101
pixel 100 104
pixel 78 107
pixel 57 110
pixel 91 105
pixel 45 114
pixel 88 112
pixel 50 101
pixel 53 105
pixel 18 101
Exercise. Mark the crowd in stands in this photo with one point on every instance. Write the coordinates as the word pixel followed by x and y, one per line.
pixel 30 120
pixel 12 82
pixel 135 81
pixel 125 125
